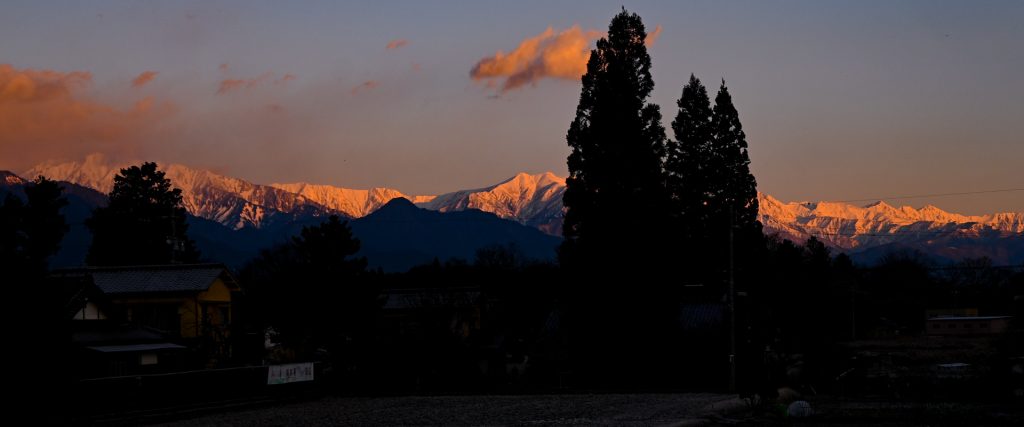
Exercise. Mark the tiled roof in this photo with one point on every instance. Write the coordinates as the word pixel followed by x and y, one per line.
pixel 149 279
pixel 140 281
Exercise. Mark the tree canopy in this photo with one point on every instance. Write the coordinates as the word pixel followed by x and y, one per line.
pixel 31 230
pixel 313 291
pixel 143 223
pixel 615 200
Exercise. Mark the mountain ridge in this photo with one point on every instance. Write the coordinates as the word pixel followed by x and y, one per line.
pixel 535 200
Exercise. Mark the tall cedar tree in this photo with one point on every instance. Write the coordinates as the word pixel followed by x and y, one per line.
pixel 709 179
pixel 688 165
pixel 615 200
pixel 620 311
pixel 144 222
pixel 738 195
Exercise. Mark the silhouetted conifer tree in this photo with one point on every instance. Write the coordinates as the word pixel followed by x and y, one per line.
pixel 30 233
pixel 615 200
pixel 144 222
pixel 31 230
pixel 619 307
pixel 736 192
pixel 708 176
pixel 688 167
pixel 313 291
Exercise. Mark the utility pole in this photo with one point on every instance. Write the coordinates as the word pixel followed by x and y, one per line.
pixel 732 308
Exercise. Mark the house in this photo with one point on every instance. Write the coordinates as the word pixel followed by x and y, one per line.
pixel 139 319
pixel 967 325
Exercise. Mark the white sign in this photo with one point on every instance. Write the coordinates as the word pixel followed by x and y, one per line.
pixel 291 373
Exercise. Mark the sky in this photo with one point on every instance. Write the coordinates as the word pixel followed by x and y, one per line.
pixel 840 100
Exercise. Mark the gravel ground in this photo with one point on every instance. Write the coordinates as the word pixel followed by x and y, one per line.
pixel 596 409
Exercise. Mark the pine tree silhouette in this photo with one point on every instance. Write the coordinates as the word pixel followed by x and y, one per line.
pixel 615 200
pixel 144 222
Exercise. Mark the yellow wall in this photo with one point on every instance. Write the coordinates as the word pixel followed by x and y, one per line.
pixel 218 292
pixel 190 308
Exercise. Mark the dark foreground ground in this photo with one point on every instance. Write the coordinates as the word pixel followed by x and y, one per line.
pixel 581 409
pixel 691 409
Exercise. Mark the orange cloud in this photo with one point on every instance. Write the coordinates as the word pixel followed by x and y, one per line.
pixel 230 85
pixel 561 54
pixel 285 79
pixel 396 44
pixel 367 85
pixel 550 54
pixel 652 36
pixel 143 78
pixel 44 114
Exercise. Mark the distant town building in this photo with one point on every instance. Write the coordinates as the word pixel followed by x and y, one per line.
pixel 967 325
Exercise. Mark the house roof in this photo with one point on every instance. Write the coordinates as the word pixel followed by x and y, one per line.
pixel 153 279
pixel 968 318
pixel 402 299
pixel 136 347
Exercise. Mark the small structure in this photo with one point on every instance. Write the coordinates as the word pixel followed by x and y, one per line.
pixel 967 325
pixel 138 319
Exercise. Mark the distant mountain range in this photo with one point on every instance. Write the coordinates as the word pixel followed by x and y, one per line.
pixel 263 213
pixel 232 219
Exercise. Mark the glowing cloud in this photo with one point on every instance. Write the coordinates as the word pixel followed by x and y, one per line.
pixel 44 115
pixel 230 85
pixel 396 44
pixel 364 86
pixel 561 55
pixel 555 54
pixel 285 79
pixel 145 77
pixel 652 36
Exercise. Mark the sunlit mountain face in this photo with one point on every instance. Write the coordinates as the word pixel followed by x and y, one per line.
pixel 535 200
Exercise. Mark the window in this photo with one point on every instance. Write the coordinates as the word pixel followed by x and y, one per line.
pixel 148 359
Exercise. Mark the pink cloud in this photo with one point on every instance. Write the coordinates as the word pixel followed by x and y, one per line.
pixel 653 36
pixel 47 114
pixel 230 85
pixel 364 86
pixel 143 78
pixel 551 54
pixel 396 44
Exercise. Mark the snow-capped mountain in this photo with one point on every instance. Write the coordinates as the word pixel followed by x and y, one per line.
pixel 230 201
pixel 534 200
pixel 856 228
pixel 354 203
pixel 9 179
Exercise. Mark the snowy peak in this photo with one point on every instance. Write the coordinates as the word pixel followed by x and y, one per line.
pixel 8 178
pixel 94 172
pixel 354 203
pixel 530 199
pixel 854 227
pixel 534 200
pixel 230 201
